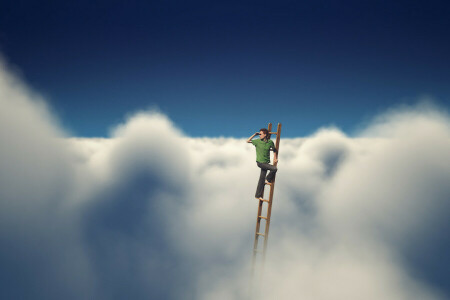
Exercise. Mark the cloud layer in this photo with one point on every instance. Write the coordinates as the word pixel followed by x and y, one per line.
pixel 153 213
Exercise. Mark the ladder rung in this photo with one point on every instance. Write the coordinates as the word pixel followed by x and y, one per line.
pixel 265 218
pixel 264 200
pixel 273 132
pixel 262 234
pixel 268 183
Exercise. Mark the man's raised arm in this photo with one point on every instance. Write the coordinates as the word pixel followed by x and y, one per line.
pixel 250 138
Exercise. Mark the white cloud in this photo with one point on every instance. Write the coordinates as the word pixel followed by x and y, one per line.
pixel 41 255
pixel 152 213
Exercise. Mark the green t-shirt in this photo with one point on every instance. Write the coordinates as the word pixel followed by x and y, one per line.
pixel 263 150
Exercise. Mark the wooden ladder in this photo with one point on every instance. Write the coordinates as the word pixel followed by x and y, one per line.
pixel 269 202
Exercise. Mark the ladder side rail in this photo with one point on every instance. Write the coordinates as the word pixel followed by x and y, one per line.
pixel 258 225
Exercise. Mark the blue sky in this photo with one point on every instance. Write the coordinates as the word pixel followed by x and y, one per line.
pixel 229 68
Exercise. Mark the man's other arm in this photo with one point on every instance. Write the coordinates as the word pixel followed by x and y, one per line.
pixel 275 154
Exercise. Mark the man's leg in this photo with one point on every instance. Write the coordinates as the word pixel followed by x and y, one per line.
pixel 260 187
pixel 273 170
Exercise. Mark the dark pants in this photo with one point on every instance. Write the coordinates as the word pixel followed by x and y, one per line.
pixel 262 177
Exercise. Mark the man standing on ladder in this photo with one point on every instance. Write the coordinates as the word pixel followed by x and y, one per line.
pixel 263 147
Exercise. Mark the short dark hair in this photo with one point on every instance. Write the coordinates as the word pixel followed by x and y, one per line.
pixel 266 132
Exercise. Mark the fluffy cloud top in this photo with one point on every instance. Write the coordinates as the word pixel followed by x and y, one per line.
pixel 152 213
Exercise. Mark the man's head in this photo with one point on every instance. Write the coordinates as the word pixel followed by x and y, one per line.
pixel 264 134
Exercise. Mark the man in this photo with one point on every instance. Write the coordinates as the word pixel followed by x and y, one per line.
pixel 263 147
